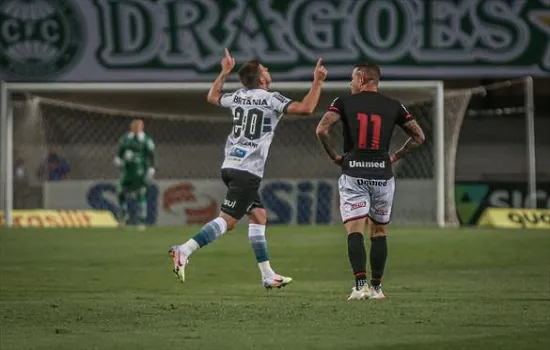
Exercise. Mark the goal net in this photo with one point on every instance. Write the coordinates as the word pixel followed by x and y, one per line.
pixel 81 127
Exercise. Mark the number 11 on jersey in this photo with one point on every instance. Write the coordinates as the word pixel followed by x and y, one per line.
pixel 365 122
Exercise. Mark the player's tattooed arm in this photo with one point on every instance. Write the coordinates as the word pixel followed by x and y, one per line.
pixel 216 90
pixel 415 140
pixel 323 134
pixel 228 63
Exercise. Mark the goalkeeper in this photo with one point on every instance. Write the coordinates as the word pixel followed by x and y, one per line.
pixel 136 161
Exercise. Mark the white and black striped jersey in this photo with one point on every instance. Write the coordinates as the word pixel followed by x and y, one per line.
pixel 255 116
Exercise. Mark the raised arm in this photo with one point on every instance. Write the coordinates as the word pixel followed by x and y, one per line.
pixel 215 93
pixel 311 99
pixel 415 140
pixel 323 134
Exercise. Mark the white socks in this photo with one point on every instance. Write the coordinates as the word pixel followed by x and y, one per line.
pixel 189 247
pixel 208 233
pixel 217 227
pixel 265 269
pixel 256 237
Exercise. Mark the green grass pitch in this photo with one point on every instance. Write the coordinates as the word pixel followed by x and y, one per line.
pixel 113 289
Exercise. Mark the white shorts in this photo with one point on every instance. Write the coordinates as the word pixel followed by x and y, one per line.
pixel 360 198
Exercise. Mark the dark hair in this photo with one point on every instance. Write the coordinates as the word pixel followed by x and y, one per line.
pixel 249 74
pixel 370 70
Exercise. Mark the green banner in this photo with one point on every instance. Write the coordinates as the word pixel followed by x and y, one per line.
pixel 472 198
pixel 184 39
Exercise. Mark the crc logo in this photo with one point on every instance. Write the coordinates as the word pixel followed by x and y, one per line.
pixel 39 38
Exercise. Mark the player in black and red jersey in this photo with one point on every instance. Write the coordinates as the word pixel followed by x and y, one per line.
pixel 367 185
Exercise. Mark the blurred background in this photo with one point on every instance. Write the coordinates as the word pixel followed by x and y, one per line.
pixel 65 136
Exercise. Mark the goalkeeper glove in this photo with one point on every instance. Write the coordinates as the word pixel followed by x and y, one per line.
pixel 150 173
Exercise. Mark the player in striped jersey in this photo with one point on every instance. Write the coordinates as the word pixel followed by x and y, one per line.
pixel 256 112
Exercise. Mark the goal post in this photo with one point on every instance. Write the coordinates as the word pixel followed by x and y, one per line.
pixel 531 144
pixel 6 154
pixel 47 106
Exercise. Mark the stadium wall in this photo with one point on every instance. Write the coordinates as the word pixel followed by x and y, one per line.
pixel 181 202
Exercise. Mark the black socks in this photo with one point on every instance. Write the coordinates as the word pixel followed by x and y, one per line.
pixel 358 258
pixel 378 255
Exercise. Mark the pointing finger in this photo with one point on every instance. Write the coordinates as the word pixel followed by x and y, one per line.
pixel 227 54
pixel 319 62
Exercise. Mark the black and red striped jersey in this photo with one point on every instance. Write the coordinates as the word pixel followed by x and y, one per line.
pixel 369 119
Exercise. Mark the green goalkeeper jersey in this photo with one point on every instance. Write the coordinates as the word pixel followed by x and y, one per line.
pixel 136 153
